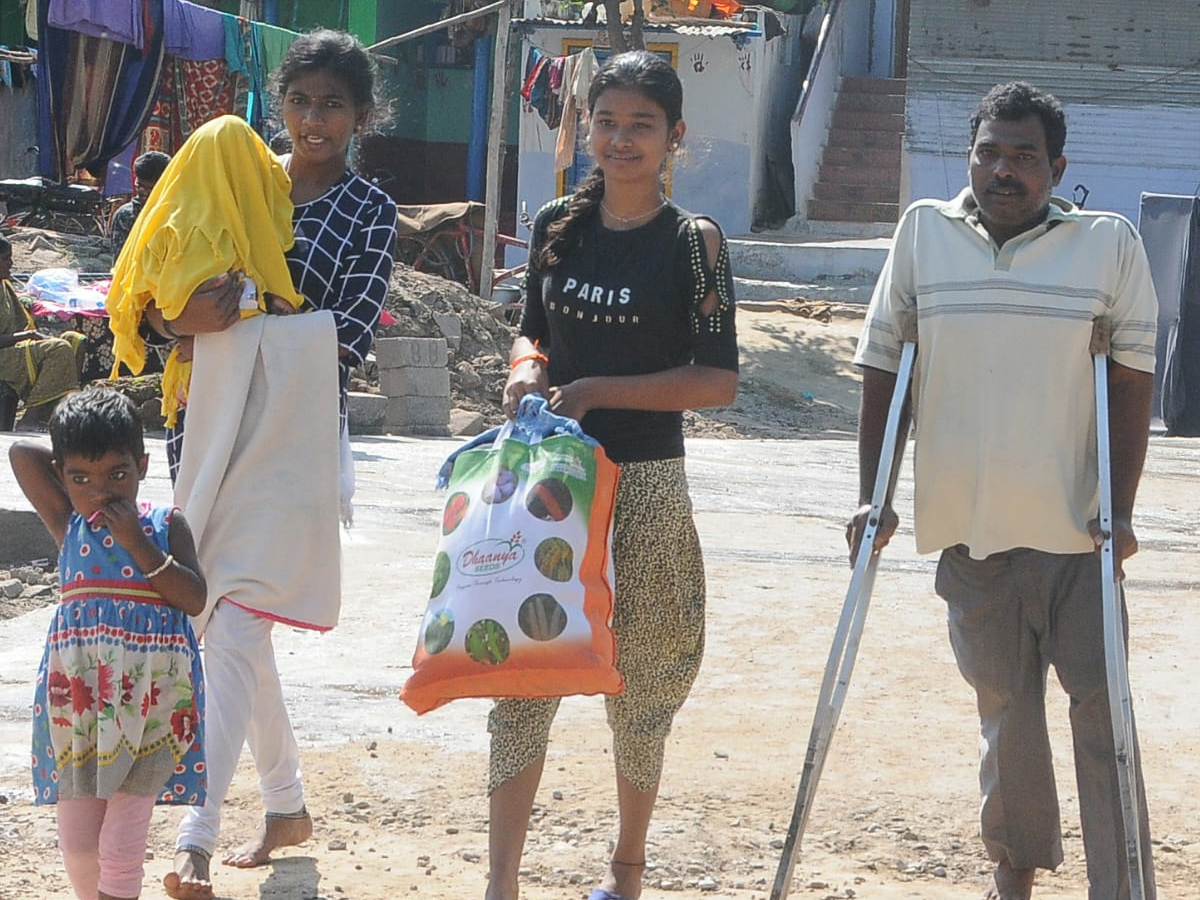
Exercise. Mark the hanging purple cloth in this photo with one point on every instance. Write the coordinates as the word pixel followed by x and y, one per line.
pixel 96 95
pixel 192 31
pixel 119 179
pixel 109 19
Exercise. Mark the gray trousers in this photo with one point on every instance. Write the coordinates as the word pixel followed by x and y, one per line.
pixel 1011 617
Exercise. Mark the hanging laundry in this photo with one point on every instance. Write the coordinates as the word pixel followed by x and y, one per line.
pixel 533 65
pixel 114 21
pixel 577 81
pixel 192 31
pixel 556 73
pixel 190 93
pixel 274 42
pixel 243 55
pixel 536 88
pixel 97 95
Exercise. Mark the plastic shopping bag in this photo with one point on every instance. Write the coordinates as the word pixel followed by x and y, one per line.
pixel 522 596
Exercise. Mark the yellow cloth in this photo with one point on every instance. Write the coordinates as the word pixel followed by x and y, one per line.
pixel 216 208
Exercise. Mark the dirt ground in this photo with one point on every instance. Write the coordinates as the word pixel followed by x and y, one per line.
pixel 399 800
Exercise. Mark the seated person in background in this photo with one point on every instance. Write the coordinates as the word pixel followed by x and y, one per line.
pixel 39 369
pixel 147 169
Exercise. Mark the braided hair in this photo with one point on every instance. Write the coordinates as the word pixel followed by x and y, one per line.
pixel 638 70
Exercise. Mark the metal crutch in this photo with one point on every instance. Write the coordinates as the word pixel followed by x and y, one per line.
pixel 1120 703
pixel 854 613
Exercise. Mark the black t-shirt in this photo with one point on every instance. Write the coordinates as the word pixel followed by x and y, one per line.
pixel 627 303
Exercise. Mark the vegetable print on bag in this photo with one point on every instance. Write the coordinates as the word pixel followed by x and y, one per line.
pixel 521 600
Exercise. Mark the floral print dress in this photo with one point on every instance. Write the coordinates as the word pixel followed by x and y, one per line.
pixel 119 700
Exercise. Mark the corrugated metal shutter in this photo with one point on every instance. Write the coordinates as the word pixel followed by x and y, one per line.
pixel 1119 32
pixel 1128 74
pixel 1108 51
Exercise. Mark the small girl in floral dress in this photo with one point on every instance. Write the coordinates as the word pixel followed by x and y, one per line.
pixel 119 696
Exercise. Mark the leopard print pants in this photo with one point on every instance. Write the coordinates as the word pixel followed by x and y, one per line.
pixel 658 619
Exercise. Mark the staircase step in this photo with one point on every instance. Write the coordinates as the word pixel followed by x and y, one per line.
pixel 868 121
pixel 828 230
pixel 871 102
pixel 876 85
pixel 860 156
pixel 857 193
pixel 844 211
pixel 788 257
pixel 855 290
pixel 872 175
pixel 858 139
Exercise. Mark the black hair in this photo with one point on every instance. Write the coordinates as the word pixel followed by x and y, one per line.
pixel 95 421
pixel 150 165
pixel 5 243
pixel 637 70
pixel 337 52
pixel 1017 100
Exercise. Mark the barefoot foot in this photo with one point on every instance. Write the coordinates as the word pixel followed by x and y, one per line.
pixel 1010 884
pixel 276 831
pixel 190 879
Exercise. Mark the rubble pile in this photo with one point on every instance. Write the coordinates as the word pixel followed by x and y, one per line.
pixel 429 306
pixel 423 306
pixel 26 588
pixel 36 248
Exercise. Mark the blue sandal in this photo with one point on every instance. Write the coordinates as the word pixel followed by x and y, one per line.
pixel 602 894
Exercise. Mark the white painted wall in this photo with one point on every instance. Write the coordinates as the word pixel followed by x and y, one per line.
pixel 883 37
pixel 725 93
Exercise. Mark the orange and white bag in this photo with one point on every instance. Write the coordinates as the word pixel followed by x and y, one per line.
pixel 522 597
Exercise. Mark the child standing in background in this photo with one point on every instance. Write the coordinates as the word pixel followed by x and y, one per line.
pixel 119 699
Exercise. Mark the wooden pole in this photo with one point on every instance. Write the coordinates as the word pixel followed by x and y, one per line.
pixel 499 5
pixel 495 146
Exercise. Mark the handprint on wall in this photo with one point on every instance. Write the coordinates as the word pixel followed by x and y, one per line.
pixel 698 62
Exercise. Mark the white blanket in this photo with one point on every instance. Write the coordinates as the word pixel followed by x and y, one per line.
pixel 258 479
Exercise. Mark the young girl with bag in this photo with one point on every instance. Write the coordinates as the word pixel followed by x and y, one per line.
pixel 628 321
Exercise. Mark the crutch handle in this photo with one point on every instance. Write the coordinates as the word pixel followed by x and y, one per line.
pixel 906 325
pixel 1101 342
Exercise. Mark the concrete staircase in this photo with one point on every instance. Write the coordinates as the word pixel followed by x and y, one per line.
pixel 838 252
pixel 859 179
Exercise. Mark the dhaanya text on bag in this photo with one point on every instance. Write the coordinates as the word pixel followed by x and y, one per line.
pixel 522 597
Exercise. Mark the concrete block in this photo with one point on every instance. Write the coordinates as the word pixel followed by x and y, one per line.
pixel 451 328
pixel 466 423
pixel 415 381
pixel 411 412
pixel 425 431
pixel 365 412
pixel 393 352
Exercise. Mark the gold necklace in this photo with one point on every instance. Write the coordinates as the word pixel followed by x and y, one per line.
pixel 625 221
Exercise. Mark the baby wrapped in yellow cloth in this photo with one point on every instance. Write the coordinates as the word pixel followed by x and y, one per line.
pixel 222 204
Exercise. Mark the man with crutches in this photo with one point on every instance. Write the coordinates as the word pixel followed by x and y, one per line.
pixel 1007 281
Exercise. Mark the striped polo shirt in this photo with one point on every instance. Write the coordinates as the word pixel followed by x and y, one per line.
pixel 1003 387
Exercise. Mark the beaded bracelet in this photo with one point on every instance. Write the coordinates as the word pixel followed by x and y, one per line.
pixel 166 564
pixel 540 357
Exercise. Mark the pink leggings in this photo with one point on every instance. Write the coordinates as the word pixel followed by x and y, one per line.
pixel 103 844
